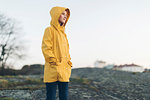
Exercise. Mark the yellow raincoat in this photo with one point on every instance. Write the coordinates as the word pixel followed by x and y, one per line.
pixel 55 48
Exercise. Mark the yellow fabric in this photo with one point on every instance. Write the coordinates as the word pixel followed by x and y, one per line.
pixel 55 49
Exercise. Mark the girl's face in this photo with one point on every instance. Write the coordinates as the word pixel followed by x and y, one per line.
pixel 63 17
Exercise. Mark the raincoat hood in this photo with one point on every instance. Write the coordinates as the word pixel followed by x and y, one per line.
pixel 55 13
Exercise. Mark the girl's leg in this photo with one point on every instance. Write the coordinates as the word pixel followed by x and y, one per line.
pixel 51 90
pixel 63 90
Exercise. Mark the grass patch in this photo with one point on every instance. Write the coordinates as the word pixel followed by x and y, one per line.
pixel 8 98
pixel 7 82
pixel 83 81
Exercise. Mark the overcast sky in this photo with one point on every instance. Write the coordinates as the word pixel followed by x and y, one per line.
pixel 115 31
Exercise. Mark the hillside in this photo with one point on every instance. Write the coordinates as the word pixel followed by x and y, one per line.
pixel 88 84
pixel 117 85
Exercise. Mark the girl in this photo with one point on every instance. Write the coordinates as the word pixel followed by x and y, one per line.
pixel 55 49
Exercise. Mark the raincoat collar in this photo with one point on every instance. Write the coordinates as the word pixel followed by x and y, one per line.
pixel 55 13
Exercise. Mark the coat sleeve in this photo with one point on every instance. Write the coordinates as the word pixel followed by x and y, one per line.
pixel 47 46
pixel 69 62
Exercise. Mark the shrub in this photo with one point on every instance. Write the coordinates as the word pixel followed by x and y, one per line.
pixel 3 83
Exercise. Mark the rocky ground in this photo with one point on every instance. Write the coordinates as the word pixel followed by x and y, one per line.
pixel 86 84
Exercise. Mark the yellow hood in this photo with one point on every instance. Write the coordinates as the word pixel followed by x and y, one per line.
pixel 55 13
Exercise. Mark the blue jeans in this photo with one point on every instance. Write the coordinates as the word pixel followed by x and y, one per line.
pixel 51 90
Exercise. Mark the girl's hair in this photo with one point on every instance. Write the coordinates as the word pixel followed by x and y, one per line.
pixel 67 10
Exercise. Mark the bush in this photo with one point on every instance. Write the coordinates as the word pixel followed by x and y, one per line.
pixel 3 83
pixel 134 73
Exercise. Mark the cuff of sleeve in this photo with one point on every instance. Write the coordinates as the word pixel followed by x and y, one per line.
pixel 70 63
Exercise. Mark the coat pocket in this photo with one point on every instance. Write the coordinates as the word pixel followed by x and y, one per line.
pixel 52 64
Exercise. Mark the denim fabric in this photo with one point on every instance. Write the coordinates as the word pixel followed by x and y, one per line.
pixel 51 90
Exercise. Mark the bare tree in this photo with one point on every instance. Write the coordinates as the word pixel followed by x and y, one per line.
pixel 10 46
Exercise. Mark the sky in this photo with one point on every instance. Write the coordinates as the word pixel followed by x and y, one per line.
pixel 114 31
